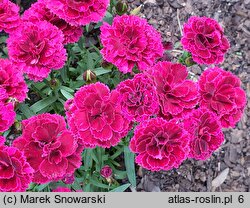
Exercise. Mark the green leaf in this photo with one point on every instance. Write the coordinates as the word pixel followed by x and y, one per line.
pixel 41 104
pixel 27 112
pixel 118 174
pixel 76 186
pixel 116 154
pixel 66 94
pixel 67 89
pixel 90 61
pixel 76 84
pixel 81 43
pixel 108 18
pixel 64 74
pixel 87 188
pixel 94 157
pixel 41 187
pixel 129 158
pixel 40 85
pixel 3 39
pixel 87 159
pixel 100 71
pixel 121 188
pixel 6 133
pixel 98 184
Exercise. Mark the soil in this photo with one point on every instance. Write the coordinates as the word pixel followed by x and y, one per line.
pixel 231 163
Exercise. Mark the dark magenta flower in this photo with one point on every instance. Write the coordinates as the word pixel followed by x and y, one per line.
pixel 130 41
pixel 62 189
pixel 138 98
pixel 205 133
pixel 39 12
pixel 160 145
pixel 7 115
pixel 203 37
pixel 52 151
pixel 38 47
pixel 15 172
pixel 9 16
pixel 221 93
pixel 177 95
pixel 11 79
pixel 77 12
pixel 95 116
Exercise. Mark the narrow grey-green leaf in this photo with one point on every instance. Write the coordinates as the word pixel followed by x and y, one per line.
pixel 98 184
pixel 67 89
pixel 121 188
pixel 41 104
pixel 66 94
pixel 64 74
pixel 129 158
pixel 100 71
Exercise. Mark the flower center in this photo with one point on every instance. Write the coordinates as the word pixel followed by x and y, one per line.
pixel 135 98
pixel 32 48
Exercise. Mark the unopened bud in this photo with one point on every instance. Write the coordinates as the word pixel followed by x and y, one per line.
pixel 18 127
pixel 168 45
pixel 13 100
pixel 54 83
pixel 106 172
pixel 189 61
pixel 69 179
pixel 121 8
pixel 89 76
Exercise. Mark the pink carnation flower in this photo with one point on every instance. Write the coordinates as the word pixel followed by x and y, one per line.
pixel 52 151
pixel 16 174
pixel 3 95
pixel 2 140
pixel 160 145
pixel 39 12
pixel 221 93
pixel 38 47
pixel 95 116
pixel 177 95
pixel 9 16
pixel 77 12
pixel 130 41
pixel 203 37
pixel 138 98
pixel 205 133
pixel 7 115
pixel 62 189
pixel 11 79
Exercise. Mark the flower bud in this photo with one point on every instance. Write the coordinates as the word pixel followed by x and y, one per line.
pixel 69 179
pixel 13 100
pixel 167 45
pixel 18 127
pixel 189 61
pixel 89 76
pixel 106 172
pixel 121 8
pixel 54 83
